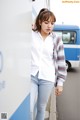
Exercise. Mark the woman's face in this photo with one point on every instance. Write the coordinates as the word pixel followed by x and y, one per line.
pixel 47 26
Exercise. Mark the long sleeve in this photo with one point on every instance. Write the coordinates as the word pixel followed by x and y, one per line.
pixel 61 68
pixel 59 58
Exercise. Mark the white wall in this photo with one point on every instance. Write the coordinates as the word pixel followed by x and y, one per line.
pixel 66 13
pixel 15 30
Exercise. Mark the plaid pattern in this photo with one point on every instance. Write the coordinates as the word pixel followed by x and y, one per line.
pixel 59 58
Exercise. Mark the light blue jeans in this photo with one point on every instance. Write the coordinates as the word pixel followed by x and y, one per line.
pixel 40 92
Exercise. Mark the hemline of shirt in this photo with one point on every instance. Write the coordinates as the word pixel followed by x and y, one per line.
pixel 46 78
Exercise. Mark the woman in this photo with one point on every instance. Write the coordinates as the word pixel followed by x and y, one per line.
pixel 48 66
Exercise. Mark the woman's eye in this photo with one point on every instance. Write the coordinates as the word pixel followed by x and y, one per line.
pixel 52 23
pixel 46 22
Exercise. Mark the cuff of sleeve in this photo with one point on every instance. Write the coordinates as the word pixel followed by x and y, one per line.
pixel 60 83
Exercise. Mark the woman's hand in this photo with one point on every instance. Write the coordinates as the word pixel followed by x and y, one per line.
pixel 33 27
pixel 58 90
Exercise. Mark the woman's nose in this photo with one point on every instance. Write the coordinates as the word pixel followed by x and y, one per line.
pixel 49 25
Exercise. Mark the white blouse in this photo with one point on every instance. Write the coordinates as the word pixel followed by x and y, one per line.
pixel 42 57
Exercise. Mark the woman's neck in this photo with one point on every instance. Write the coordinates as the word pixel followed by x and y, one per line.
pixel 44 35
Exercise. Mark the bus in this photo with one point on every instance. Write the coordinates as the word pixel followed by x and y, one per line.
pixel 71 39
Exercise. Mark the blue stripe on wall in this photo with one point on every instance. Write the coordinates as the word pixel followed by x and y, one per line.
pixel 23 111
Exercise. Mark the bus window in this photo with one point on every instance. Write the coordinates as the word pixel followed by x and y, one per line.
pixel 68 37
pixel 73 37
